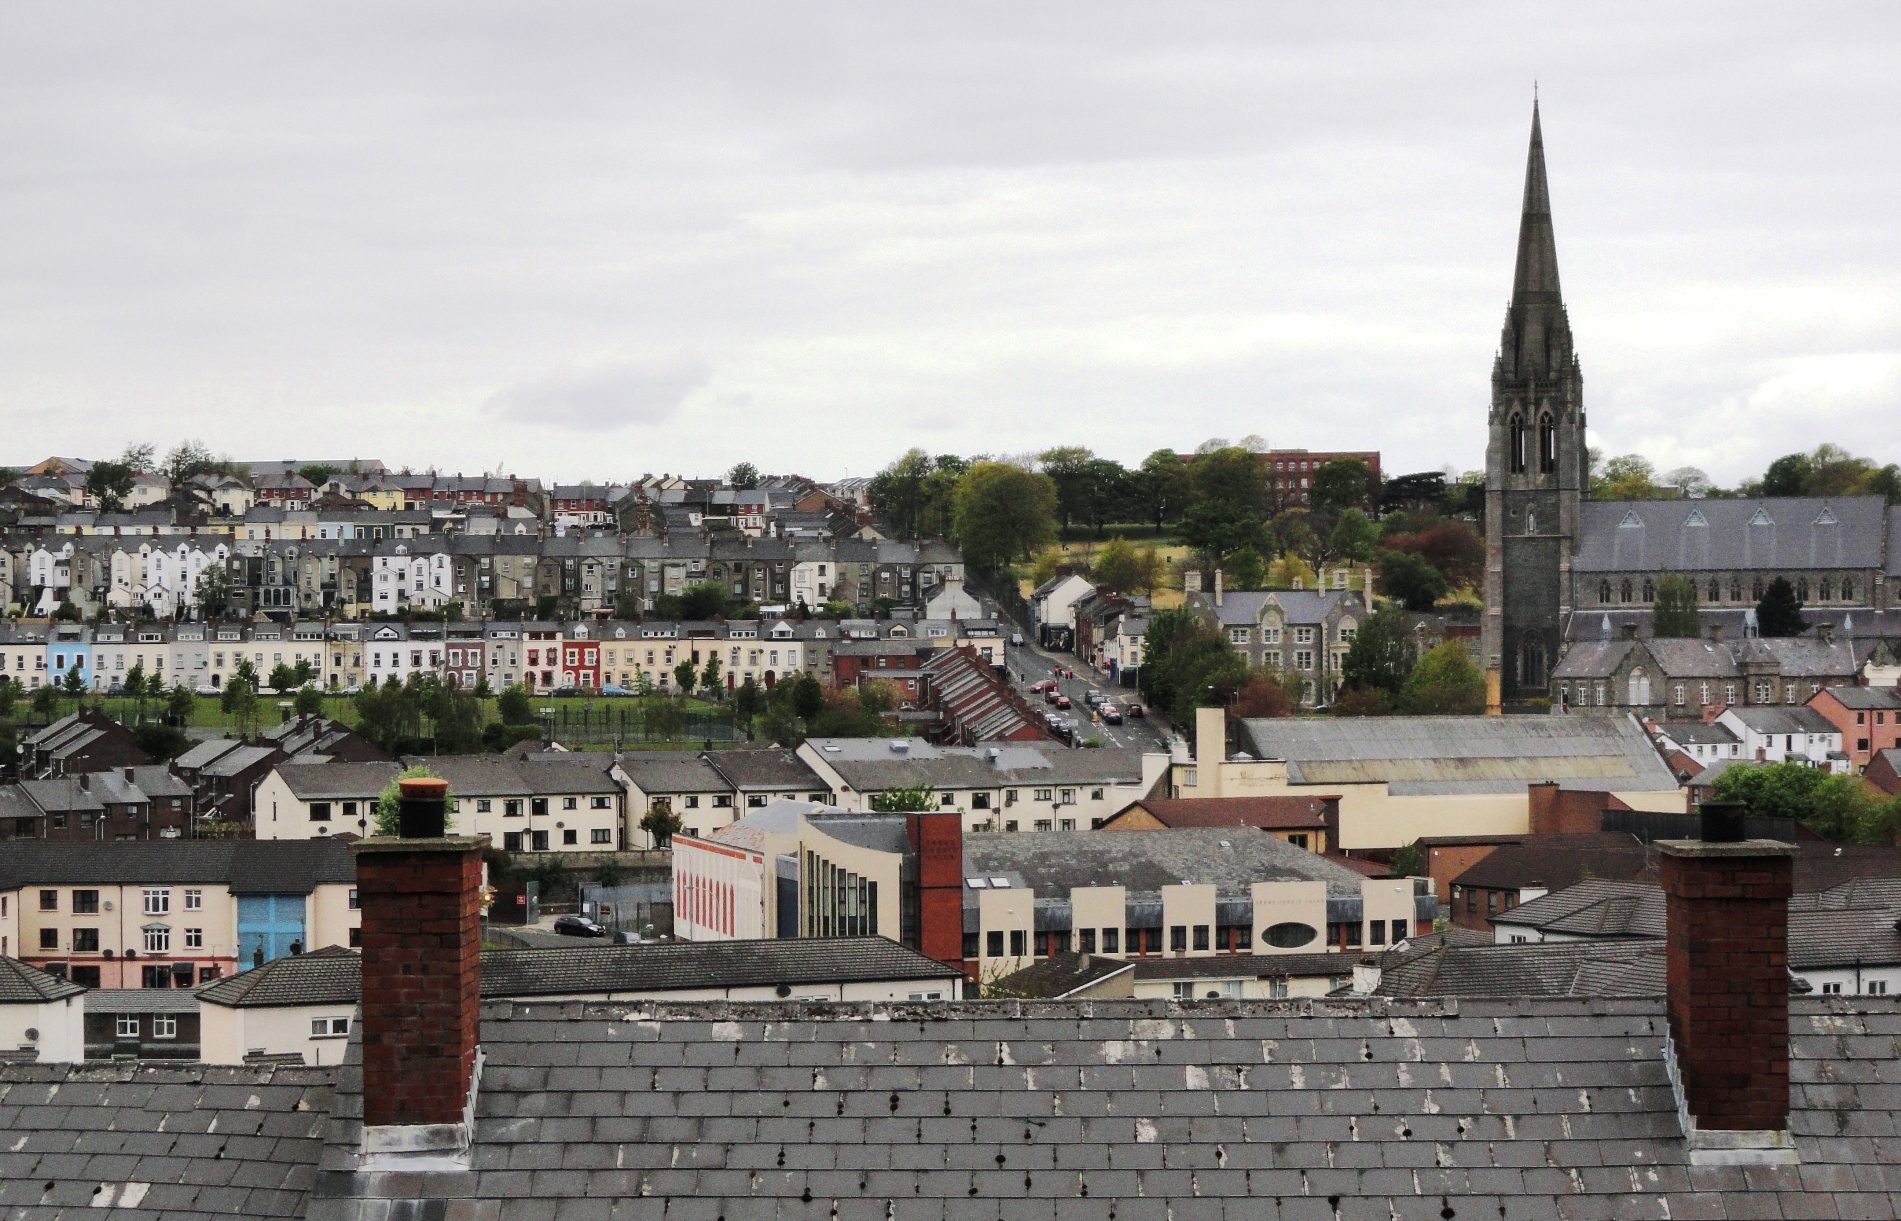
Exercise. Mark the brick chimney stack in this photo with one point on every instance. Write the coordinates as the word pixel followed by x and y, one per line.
pixel 420 894
pixel 1727 929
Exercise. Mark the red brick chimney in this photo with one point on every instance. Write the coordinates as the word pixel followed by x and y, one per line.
pixel 938 841
pixel 420 894
pixel 1727 923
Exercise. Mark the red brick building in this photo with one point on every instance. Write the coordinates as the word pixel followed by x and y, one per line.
pixel 1869 718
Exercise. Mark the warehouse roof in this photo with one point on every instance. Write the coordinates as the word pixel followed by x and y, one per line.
pixel 247 866
pixel 1052 863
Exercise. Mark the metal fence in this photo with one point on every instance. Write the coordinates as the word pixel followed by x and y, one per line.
pixel 629 721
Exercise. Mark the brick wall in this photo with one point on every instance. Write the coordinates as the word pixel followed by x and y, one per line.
pixel 421 905
pixel 1727 913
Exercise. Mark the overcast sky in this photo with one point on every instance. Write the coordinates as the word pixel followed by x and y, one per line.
pixel 596 240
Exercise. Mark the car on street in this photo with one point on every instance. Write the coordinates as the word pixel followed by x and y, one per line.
pixel 1061 700
pixel 611 689
pixel 1048 684
pixel 1111 715
pixel 1133 707
pixel 578 926
pixel 1016 639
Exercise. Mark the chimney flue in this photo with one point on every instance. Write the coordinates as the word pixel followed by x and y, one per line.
pixel 1727 967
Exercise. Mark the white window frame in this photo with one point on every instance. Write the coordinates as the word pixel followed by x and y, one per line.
pixel 127 1026
pixel 158 902
pixel 194 900
pixel 158 940
pixel 164 1025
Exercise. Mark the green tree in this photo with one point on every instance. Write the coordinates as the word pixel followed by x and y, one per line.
pixel 110 482
pixel 1003 513
pixel 318 473
pixel 515 706
pixel 709 677
pixel 45 701
pixel 1626 477
pixel 1289 571
pixel 1354 536
pixel 1187 665
pixel 1835 807
pixel 186 461
pixel 1065 466
pixel 74 682
pixel 1214 528
pixel 897 493
pixel 1444 683
pixel 685 675
pixel 482 689
pixel 181 703
pixel 1674 615
pixel 1408 862
pixel 1341 484
pixel 748 702
pixel 1779 613
pixel 1243 570
pixel 1162 486
pixel 389 801
pixel 1410 579
pixel 660 822
pixel 244 671
pixel 1382 654
pixel 744 477
pixel 283 678
pixel 916 798
pixel 390 716
pixel 213 590
pixel 309 701
pixel 1231 477
pixel 239 702
pixel 1788 475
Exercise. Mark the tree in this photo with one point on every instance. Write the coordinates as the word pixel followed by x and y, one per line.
pixel 1341 484
pixel 709 678
pixel 1108 493
pixel 181 703
pixel 1836 807
pixel 913 799
pixel 1626 477
pixel 515 706
pixel 213 590
pixel 744 477
pixel 389 716
pixel 134 684
pixel 74 682
pixel 1408 862
pixel 1118 566
pixel 1289 571
pixel 1243 570
pixel 1788 476
pixel 1161 486
pixel 748 701
pixel 1229 476
pixel 389 801
pixel 110 482
pixel 1410 579
pixel 1187 665
pixel 239 702
pixel 309 701
pixel 45 701
pixel 1779 613
pixel 1690 481
pixel 283 678
pixel 1444 683
pixel 1065 466
pixel 1003 513
pixel 1452 547
pixel 685 675
pixel 1354 536
pixel 318 473
pixel 660 822
pixel 1214 528
pixel 186 461
pixel 1673 615
pixel 897 492
pixel 1268 694
pixel 1382 653
pixel 482 689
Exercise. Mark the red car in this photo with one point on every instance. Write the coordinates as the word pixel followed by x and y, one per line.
pixel 1062 701
pixel 1132 708
pixel 1048 684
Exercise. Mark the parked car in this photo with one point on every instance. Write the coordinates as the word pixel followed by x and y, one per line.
pixel 1016 638
pixel 1133 707
pixel 578 926
pixel 611 689
pixel 208 689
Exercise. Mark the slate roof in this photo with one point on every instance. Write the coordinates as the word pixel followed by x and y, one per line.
pixel 1052 863
pixel 1855 937
pixel 1773 719
pixel 1456 754
pixel 1791 533
pixel 870 765
pixel 1595 907
pixel 1556 861
pixel 141 1000
pixel 247 866
pixel 338 781
pixel 161 1139
pixel 1310 1110
pixel 1865 698
pixel 1542 969
pixel 21 984
pixel 672 771
pixel 1289 813
pixel 1249 966
pixel 771 767
pixel 1059 975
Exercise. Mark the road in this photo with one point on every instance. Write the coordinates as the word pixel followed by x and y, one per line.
pixel 1030 665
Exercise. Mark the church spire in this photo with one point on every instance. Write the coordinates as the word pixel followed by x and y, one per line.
pixel 1535 281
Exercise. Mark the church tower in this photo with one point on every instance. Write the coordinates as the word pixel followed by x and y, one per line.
pixel 1535 462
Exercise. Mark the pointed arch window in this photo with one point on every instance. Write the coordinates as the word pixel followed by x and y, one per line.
pixel 1821 590
pixel 1716 590
pixel 1639 688
pixel 1604 591
pixel 1801 589
pixel 1517 444
pixel 1547 444
pixel 1735 589
pixel 1650 590
pixel 1625 591
pixel 1848 589
pixel 1756 590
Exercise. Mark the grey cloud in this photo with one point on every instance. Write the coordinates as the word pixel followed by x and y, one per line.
pixel 617 395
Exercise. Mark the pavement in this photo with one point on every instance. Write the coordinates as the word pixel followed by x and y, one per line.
pixel 1029 664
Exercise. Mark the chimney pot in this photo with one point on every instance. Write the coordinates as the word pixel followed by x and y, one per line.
pixel 422 808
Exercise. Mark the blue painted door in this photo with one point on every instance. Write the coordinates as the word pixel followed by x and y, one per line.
pixel 269 921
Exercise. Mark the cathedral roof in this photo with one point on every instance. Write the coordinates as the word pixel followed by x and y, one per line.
pixel 1729 535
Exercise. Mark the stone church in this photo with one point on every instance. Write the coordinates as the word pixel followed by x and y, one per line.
pixel 1560 567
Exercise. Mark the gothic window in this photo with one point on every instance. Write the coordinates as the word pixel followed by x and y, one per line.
pixel 1756 590
pixel 1716 590
pixel 1801 589
pixel 1547 445
pixel 1821 591
pixel 1848 590
pixel 1639 688
pixel 1604 591
pixel 1624 591
pixel 1518 444
pixel 1534 668
pixel 1650 590
pixel 1735 589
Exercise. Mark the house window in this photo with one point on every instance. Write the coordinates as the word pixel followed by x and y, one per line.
pixel 158 940
pixel 600 835
pixel 1018 942
pixel 1201 936
pixel 511 808
pixel 483 805
pixel 194 939
pixel 1680 693
pixel 126 1026
pixel 601 803
pixel 49 900
pixel 319 811
pixel 164 1026
pixel 329 1027
pixel 49 939
pixel 85 941
pixel 158 902
pixel 85 902
pixel 993 944
pixel 1178 938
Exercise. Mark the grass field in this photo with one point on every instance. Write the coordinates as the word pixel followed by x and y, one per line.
pixel 1175 557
